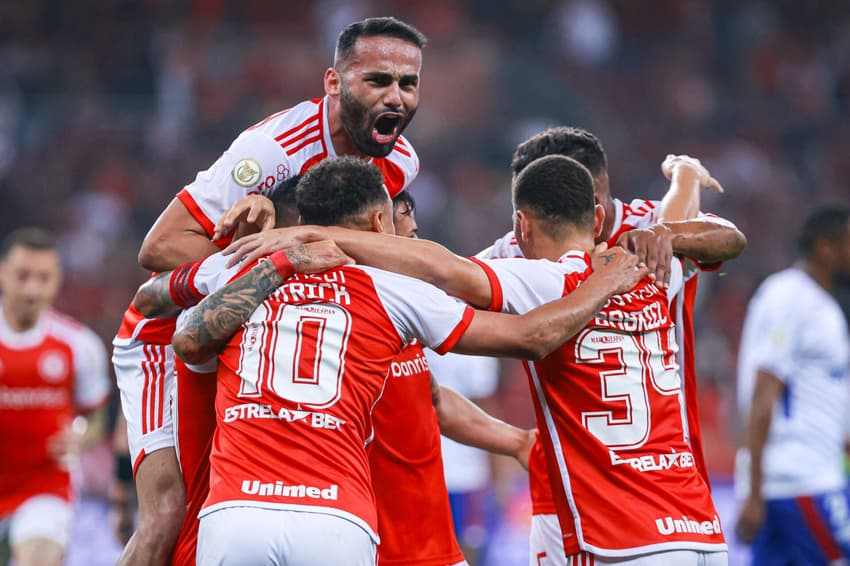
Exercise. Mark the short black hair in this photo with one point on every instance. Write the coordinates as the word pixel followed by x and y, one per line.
pixel 557 190
pixel 29 237
pixel 404 197
pixel 283 198
pixel 828 222
pixel 338 189
pixel 569 141
pixel 371 27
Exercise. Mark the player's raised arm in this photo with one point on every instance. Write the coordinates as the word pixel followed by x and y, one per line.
pixel 175 238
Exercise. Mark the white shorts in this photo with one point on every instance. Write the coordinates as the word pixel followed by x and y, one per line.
pixel 145 376
pixel 547 549
pixel 546 546
pixel 41 516
pixel 243 536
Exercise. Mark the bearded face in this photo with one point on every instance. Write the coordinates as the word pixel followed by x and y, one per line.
pixel 373 130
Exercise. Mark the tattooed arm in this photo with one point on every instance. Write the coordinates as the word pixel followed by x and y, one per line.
pixel 166 294
pixel 215 319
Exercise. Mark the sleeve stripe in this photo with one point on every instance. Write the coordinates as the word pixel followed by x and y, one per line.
pixel 186 198
pixel 497 298
pixel 452 339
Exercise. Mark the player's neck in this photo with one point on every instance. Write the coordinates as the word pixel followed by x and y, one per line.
pixel 16 321
pixel 552 250
pixel 822 275
pixel 342 142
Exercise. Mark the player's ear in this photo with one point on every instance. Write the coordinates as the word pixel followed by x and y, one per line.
pixel 522 223
pixel 377 222
pixel 598 220
pixel 332 82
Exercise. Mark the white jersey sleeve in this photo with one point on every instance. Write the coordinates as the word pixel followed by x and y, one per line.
pixel 92 383
pixel 212 274
pixel 520 285
pixel 255 163
pixel 422 311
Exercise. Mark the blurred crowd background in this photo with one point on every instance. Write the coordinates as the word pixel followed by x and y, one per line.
pixel 108 107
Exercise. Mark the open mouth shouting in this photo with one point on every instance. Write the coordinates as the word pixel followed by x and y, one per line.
pixel 387 127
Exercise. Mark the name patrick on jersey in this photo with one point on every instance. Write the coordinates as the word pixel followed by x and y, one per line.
pixel 321 288
pixel 634 311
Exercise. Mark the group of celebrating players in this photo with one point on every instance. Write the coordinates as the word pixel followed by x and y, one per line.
pixel 278 403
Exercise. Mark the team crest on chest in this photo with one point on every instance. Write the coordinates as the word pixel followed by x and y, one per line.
pixel 247 172
pixel 52 366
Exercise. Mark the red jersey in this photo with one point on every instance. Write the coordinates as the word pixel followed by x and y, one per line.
pixel 610 419
pixel 48 374
pixel 414 516
pixel 638 214
pixel 298 382
pixel 281 146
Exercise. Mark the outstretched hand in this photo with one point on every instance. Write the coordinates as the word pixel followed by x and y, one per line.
pixel 620 269
pixel 257 210
pixel 706 181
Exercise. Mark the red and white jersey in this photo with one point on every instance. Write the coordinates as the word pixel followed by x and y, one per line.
pixel 281 146
pixel 298 382
pixel 48 374
pixel 638 214
pixel 136 328
pixel 609 417
pixel 414 516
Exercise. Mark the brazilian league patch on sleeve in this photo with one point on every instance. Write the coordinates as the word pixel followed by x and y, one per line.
pixel 247 172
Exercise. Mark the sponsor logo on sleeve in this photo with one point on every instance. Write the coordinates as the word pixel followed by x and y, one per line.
pixel 247 172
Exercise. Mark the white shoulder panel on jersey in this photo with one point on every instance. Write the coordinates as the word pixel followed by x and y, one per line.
pixel 417 309
pixel 253 164
pixel 91 376
pixel 527 284
pixel 213 275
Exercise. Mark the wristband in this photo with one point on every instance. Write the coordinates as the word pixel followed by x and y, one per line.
pixel 282 264
pixel 123 468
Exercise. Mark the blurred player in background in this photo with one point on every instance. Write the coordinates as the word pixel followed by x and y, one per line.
pixel 793 395
pixel 371 95
pixel 53 374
